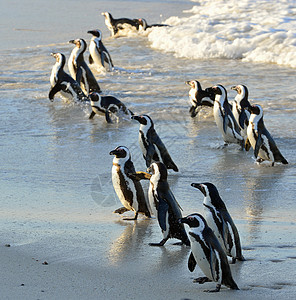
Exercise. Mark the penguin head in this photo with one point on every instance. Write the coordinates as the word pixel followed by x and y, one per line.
pixel 142 22
pixel 107 15
pixel 121 152
pixel 60 58
pixel 194 84
pixel 212 197
pixel 143 120
pixel 79 43
pixel 255 109
pixel 96 32
pixel 195 221
pixel 159 171
pixel 94 97
pixel 243 93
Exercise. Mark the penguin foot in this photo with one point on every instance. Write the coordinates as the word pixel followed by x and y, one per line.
pixel 259 160
pixel 121 210
pixel 132 219
pixel 201 280
pixel 217 289
pixel 233 261
pixel 160 244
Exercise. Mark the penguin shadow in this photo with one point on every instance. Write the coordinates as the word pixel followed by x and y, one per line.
pixel 131 240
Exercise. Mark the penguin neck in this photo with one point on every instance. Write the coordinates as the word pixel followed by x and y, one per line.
pixel 119 162
pixel 56 70
pixel 254 120
pixel 76 54
pixel 155 178
pixel 207 202
pixel 198 230
pixel 193 94
pixel 144 129
pixel 237 100
pixel 96 40
pixel 220 99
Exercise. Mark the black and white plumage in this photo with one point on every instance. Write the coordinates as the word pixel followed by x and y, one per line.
pixel 143 25
pixel 128 190
pixel 107 105
pixel 207 252
pixel 79 69
pixel 99 55
pixel 239 108
pixel 199 97
pixel 149 139
pixel 261 140
pixel 120 26
pixel 224 117
pixel 220 221
pixel 163 205
pixel 62 82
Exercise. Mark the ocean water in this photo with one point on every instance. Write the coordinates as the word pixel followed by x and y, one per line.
pixel 56 168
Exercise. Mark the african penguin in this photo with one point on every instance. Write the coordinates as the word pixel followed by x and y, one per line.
pixel 107 105
pixel 128 190
pixel 220 221
pixel 62 82
pixel 261 140
pixel 198 97
pixel 148 139
pixel 163 204
pixel 119 26
pixel 207 252
pixel 143 25
pixel 79 70
pixel 98 54
pixel 224 117
pixel 239 108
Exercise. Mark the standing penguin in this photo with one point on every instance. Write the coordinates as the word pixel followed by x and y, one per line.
pixel 198 97
pixel 107 105
pixel 79 70
pixel 224 117
pixel 128 190
pixel 148 139
pixel 240 104
pixel 99 55
pixel 220 220
pixel 260 139
pixel 207 252
pixel 163 204
pixel 62 82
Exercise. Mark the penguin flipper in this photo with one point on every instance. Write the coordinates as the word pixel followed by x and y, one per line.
pixel 92 114
pixel 162 214
pixel 242 119
pixel 258 145
pixel 191 262
pixel 55 89
pixel 139 176
pixel 225 123
pixel 151 155
pixel 79 76
pixel 90 59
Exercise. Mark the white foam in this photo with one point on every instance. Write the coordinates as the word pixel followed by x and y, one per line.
pixel 251 30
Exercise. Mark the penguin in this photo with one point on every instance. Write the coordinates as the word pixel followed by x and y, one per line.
pixel 220 221
pixel 163 204
pixel 99 55
pixel 117 25
pixel 239 108
pixel 79 70
pixel 143 25
pixel 198 97
pixel 224 117
pixel 261 140
pixel 207 252
pixel 106 105
pixel 128 190
pixel 148 139
pixel 62 82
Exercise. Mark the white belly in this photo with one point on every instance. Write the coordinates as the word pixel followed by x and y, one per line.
pixel 95 54
pixel 119 192
pixel 152 205
pixel 200 257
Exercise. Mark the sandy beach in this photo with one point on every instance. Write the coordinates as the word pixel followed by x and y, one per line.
pixel 59 237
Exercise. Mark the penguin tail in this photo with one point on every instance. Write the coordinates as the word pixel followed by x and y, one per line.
pixel 284 161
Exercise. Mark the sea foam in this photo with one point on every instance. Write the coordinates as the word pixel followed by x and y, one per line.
pixel 255 31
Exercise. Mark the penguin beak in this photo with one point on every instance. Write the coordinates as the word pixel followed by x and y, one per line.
pixel 72 42
pixel 113 152
pixel 200 187
pixel 187 82
pixel 183 220
pixel 137 118
pixel 234 87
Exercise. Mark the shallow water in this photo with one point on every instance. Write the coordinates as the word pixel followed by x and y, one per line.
pixel 56 168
